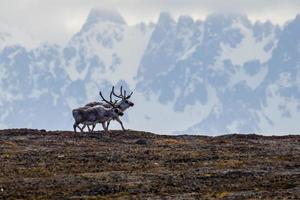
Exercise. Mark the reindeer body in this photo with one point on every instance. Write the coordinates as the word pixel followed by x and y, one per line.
pixel 123 105
pixel 93 115
pixel 96 103
pixel 94 112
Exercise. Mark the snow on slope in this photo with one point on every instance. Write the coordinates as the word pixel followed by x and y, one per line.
pixel 249 48
pixel 281 114
pixel 148 114
pixel 117 47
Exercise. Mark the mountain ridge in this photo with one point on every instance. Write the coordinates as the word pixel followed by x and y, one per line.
pixel 222 74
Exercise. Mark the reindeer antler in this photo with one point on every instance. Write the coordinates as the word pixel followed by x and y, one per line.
pixel 129 95
pixel 113 104
pixel 122 96
pixel 113 91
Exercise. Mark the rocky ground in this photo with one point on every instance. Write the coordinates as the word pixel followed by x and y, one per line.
pixel 37 164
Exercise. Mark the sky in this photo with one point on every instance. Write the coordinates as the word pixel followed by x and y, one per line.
pixel 55 21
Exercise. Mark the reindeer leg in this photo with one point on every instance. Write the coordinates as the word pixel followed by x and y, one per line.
pixel 104 127
pixel 89 128
pixel 118 120
pixel 108 122
pixel 81 130
pixel 83 127
pixel 94 125
pixel 74 126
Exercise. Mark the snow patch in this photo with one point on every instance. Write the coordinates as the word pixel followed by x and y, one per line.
pixel 125 43
pixel 281 124
pixel 162 118
pixel 252 81
pixel 248 49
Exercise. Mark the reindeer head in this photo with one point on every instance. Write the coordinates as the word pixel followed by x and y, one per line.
pixel 124 103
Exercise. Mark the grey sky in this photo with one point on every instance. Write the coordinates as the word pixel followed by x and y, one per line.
pixel 57 20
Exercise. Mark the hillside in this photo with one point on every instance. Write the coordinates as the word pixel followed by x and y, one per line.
pixel 37 164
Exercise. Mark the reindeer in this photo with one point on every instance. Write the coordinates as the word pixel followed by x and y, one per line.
pixel 96 114
pixel 122 105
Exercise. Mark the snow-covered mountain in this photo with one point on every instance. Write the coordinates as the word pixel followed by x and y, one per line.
pixel 223 74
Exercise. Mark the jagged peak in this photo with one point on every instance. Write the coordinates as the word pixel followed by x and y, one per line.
pixel 227 17
pixel 292 25
pixel 267 24
pixel 297 19
pixel 185 19
pixel 103 14
pixel 165 18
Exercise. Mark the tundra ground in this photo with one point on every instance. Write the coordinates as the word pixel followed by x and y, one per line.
pixel 37 164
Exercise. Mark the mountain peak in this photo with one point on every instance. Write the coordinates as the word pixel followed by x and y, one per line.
pixel 100 14
pixel 165 18
pixel 227 17
pixel 297 19
pixel 185 20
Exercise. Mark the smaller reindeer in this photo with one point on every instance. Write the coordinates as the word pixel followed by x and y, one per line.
pixel 122 105
pixel 93 115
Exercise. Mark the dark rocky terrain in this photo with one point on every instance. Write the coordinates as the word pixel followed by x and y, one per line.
pixel 37 164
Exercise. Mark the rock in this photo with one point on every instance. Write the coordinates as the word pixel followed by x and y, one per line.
pixel 142 142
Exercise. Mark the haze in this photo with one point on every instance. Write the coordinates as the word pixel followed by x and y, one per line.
pixel 55 21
